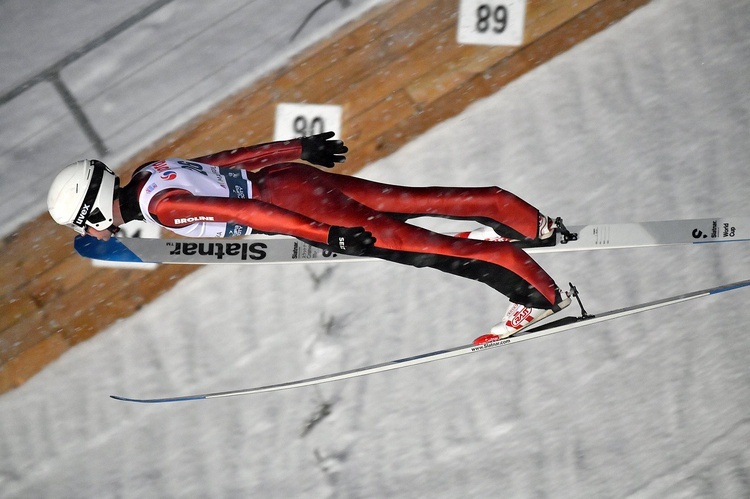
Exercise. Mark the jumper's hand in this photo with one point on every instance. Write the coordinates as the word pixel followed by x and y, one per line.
pixel 354 241
pixel 320 150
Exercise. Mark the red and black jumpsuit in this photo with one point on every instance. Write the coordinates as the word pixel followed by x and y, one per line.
pixel 303 201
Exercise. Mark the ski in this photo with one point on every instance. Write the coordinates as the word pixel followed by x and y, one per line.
pixel 259 249
pixel 479 345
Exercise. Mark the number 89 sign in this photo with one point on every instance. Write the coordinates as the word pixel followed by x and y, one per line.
pixel 491 22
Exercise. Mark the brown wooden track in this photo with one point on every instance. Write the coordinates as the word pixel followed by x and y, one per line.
pixel 397 72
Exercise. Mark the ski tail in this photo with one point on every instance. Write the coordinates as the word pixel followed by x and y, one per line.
pixel 159 401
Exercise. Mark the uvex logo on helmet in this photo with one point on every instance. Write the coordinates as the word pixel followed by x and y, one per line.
pixel 81 218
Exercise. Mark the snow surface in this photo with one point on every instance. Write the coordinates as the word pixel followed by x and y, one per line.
pixel 648 120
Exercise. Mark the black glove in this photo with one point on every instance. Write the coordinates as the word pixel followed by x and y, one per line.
pixel 319 150
pixel 354 241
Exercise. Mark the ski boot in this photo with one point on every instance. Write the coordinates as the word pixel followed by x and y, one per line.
pixel 518 317
pixel 546 228
pixel 485 234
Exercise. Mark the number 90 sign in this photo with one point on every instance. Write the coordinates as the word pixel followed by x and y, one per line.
pixel 491 22
pixel 298 120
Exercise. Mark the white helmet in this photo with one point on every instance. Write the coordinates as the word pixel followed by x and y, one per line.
pixel 83 194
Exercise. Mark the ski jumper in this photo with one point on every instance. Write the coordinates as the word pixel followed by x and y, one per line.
pixel 221 195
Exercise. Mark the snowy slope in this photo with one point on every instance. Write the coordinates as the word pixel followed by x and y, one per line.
pixel 648 120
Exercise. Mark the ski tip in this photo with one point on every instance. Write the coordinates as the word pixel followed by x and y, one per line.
pixel 112 250
pixel 158 400
pixel 127 399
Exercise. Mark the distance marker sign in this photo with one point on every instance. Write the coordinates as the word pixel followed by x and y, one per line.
pixel 491 22
pixel 303 120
